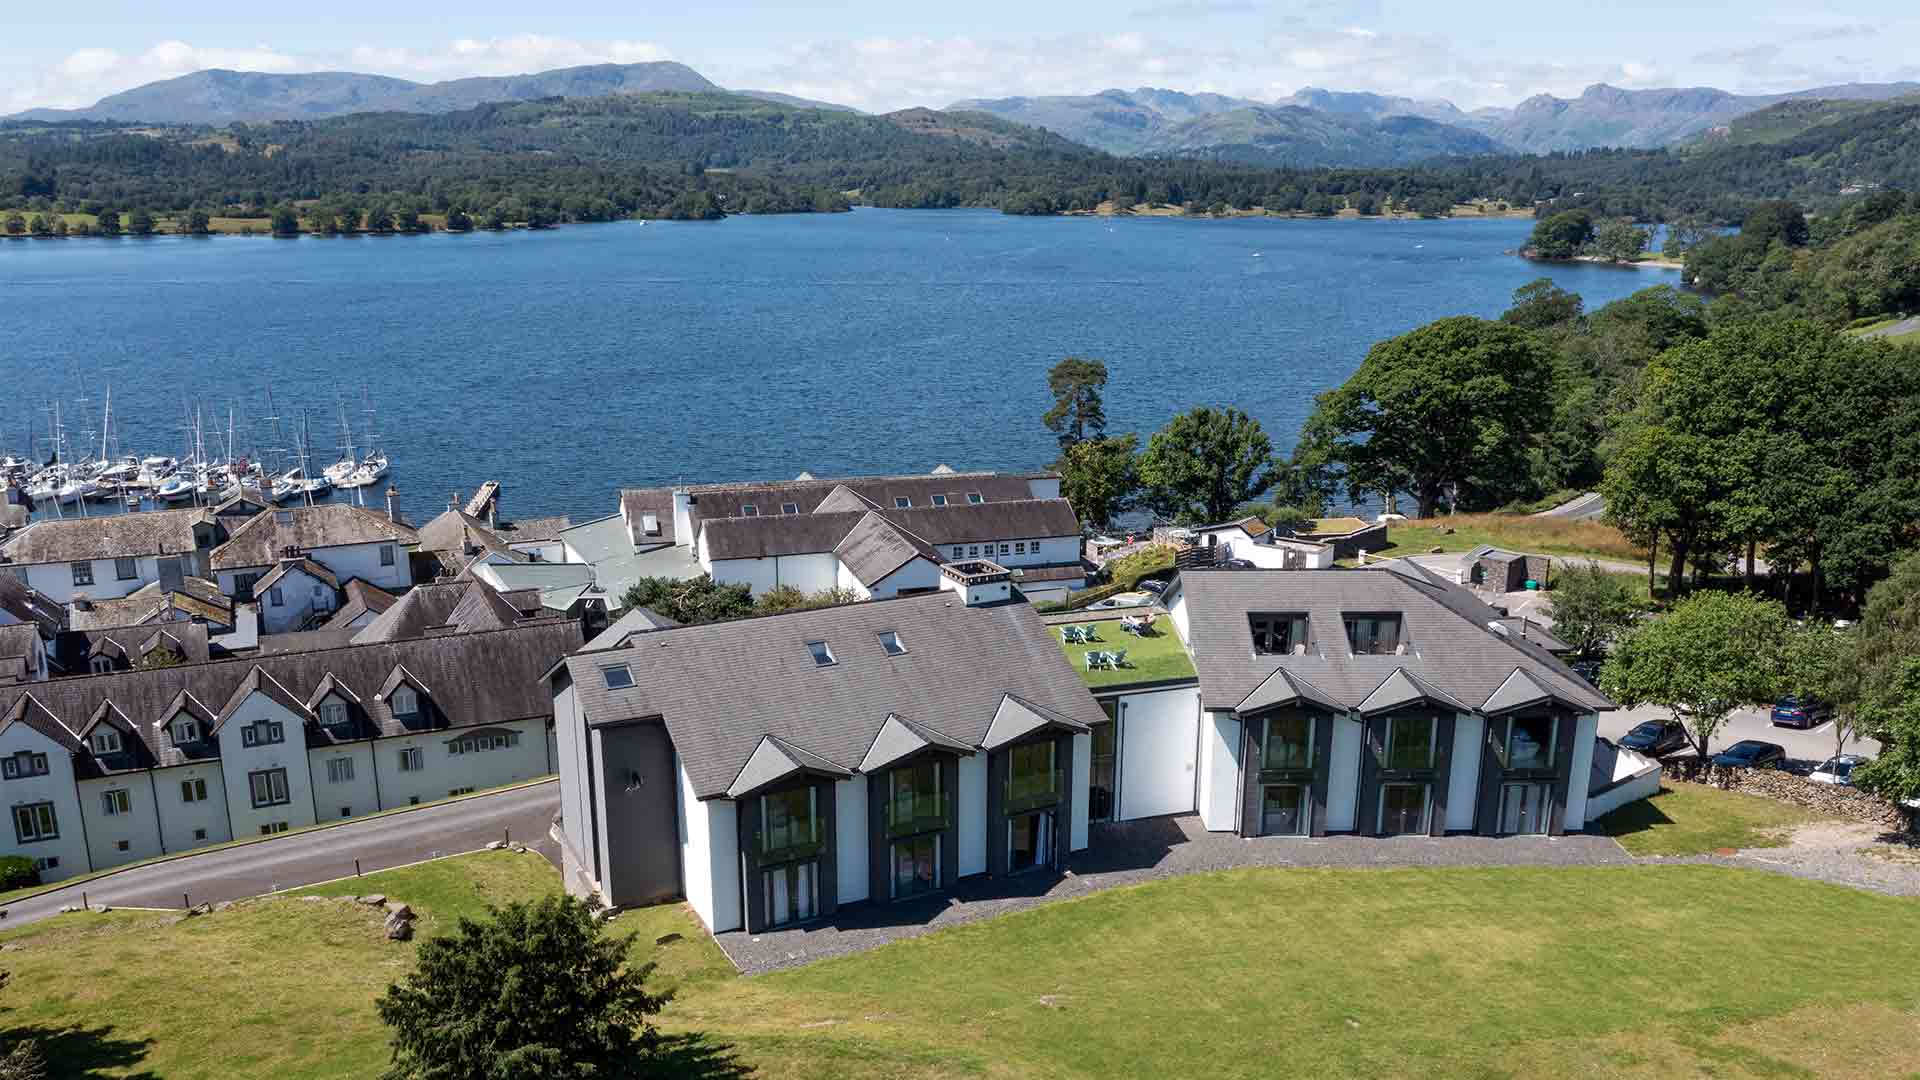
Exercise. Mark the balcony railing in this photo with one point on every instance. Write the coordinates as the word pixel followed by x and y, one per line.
pixel 908 815
pixel 1030 791
pixel 792 844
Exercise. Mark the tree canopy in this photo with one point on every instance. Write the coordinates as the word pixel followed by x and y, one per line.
pixel 1711 654
pixel 1205 463
pixel 1078 412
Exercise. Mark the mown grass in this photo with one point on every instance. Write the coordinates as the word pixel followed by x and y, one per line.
pixel 1515 532
pixel 1694 819
pixel 1624 971
pixel 1151 657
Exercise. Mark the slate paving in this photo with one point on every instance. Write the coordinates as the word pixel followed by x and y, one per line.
pixel 1140 851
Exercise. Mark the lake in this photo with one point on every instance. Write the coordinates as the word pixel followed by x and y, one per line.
pixel 570 362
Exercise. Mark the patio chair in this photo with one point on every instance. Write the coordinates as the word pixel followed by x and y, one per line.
pixel 1117 658
pixel 1071 635
pixel 1089 632
pixel 1097 660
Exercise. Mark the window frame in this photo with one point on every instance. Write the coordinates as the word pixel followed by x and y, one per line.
pixel 805 847
pixel 193 790
pixel 891 643
pixel 1552 744
pixel 1387 746
pixel 334 713
pixel 974 498
pixel 82 571
pixel 822 654
pixel 902 502
pixel 749 510
pixel 183 722
pixel 608 674
pixel 412 699
pixel 1266 625
pixel 1350 620
pixel 387 555
pixel 340 769
pixel 282 797
pixel 116 802
pixel 34 833
pixel 1267 742
pixel 789 508
pixel 106 740
pixel 412 760
pixel 126 569
pixel 939 500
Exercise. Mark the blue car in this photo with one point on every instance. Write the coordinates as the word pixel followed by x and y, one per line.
pixel 1795 713
pixel 1751 754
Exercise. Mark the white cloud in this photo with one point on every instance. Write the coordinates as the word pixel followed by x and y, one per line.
pixel 85 75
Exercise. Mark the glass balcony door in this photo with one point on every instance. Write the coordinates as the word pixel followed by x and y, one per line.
pixel 1030 841
pixel 916 866
pixel 1523 809
pixel 1283 810
pixel 1403 809
pixel 792 893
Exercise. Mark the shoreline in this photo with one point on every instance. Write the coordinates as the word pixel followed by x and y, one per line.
pixel 1651 263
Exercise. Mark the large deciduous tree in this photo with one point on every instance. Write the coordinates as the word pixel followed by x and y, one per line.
pixel 1100 477
pixel 1886 662
pixel 1713 653
pixel 693 600
pixel 536 990
pixel 1591 607
pixel 1457 404
pixel 1562 235
pixel 1205 463
pixel 1078 412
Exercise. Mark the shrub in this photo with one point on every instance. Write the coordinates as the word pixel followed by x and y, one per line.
pixel 17 872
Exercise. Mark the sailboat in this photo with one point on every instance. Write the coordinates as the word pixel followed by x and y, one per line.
pixel 373 468
pixel 339 471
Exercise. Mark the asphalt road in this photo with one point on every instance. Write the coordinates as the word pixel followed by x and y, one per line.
pixel 1806 748
pixel 525 814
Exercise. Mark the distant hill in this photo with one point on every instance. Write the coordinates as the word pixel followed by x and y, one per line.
pixel 1790 119
pixel 1643 119
pixel 1312 128
pixel 222 97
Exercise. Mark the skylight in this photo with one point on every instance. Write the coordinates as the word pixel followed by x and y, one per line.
pixel 618 677
pixel 822 656
pixel 749 510
pixel 789 508
pixel 901 502
pixel 974 497
pixel 891 642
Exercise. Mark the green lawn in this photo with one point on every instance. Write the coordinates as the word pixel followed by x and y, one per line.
pixel 1515 532
pixel 1150 657
pixel 1694 819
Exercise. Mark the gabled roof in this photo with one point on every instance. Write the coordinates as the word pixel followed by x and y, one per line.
pixel 955 523
pixel 302 565
pixel 395 678
pixel 330 685
pixel 154 532
pixel 721 688
pixel 900 737
pixel 877 547
pixel 440 607
pixel 259 682
pixel 1522 690
pixel 29 606
pixel 464 536
pixel 27 709
pixel 1017 718
pixel 1284 687
pixel 637 620
pixel 265 538
pixel 74 648
pixel 1452 652
pixel 196 597
pixel 533 530
pixel 362 600
pixel 776 760
pixel 1404 688
pixel 843 498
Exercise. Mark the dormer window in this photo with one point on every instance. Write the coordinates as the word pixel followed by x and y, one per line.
pixel 1374 635
pixel 333 713
pixel 891 642
pixel 405 703
pixel 618 677
pixel 901 502
pixel 185 729
pixel 106 741
pixel 789 508
pixel 263 733
pixel 749 510
pixel 822 656
pixel 100 665
pixel 1278 634
pixel 974 499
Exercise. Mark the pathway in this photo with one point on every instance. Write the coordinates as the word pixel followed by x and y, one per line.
pixel 1856 855
pixel 525 814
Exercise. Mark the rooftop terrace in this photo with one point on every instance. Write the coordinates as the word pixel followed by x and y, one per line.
pixel 1154 656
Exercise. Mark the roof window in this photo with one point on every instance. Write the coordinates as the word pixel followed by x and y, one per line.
pixel 939 500
pixel 789 508
pixel 822 656
pixel 618 677
pixel 650 524
pixel 891 642
pixel 901 502
pixel 974 497
pixel 749 510
pixel 1375 634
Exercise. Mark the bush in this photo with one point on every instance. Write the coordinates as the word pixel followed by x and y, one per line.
pixel 17 872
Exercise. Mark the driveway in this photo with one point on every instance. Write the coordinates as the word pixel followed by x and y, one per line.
pixel 1805 748
pixel 524 814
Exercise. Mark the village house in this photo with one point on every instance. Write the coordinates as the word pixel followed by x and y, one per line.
pixel 773 769
pixel 105 558
pixel 348 542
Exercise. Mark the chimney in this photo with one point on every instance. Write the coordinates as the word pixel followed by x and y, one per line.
pixel 978 581
pixel 453 500
pixel 82 602
pixel 393 504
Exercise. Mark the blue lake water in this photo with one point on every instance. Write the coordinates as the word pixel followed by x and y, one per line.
pixel 568 363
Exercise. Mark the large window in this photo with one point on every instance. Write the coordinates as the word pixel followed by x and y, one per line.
pixel 1289 742
pixel 405 703
pixel 1104 770
pixel 126 569
pixel 263 733
pixel 34 822
pixel 1403 809
pixel 1528 742
pixel 106 741
pixel 916 866
pixel 339 770
pixel 115 801
pixel 914 802
pixel 789 822
pixel 23 764
pixel 1283 810
pixel 1278 635
pixel 1409 741
pixel 1374 635
pixel 333 713
pixel 185 729
pixel 792 892
pixel 410 760
pixel 268 787
pixel 1031 777
pixel 1524 808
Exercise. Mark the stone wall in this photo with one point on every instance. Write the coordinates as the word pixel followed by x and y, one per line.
pixel 1831 800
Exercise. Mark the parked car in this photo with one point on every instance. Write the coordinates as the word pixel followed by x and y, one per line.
pixel 1588 670
pixel 1837 771
pixel 1237 564
pixel 1656 738
pixel 1793 712
pixel 1153 585
pixel 1752 754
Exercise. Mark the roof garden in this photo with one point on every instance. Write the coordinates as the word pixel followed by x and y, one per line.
pixel 1154 655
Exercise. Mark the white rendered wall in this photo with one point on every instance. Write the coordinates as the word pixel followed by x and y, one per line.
pixel 1343 775
pixel 347 562
pixel 1463 782
pixel 810 573
pixel 571 759
pixel 1219 799
pixel 138 828
pixel 57 788
pixel 1159 739
pixel 1044 487
pixel 971 808
pixel 55 580
pixel 1040 551
pixel 723 817
pixel 355 795
pixel 298 601
pixel 444 771
pixel 696 849
pixel 1584 731
pixel 180 820
pixel 238 760
pixel 1082 792
pixel 916 575
pixel 1177 611
pixel 850 829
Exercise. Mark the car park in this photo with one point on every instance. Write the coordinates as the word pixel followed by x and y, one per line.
pixel 1838 771
pixel 1752 754
pixel 1588 670
pixel 1656 738
pixel 1798 713
pixel 1153 585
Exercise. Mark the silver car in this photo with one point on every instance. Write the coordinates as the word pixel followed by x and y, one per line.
pixel 1838 770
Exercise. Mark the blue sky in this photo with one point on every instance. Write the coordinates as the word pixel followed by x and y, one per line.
pixel 890 55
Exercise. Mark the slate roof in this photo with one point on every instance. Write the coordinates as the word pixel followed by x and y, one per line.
pixel 637 620
pixel 529 530
pixel 73 648
pixel 28 605
pixel 796 534
pixel 1452 653
pixel 263 540
pixel 464 536
pixel 156 532
pixel 301 565
pixel 362 599
pixel 876 547
pixel 464 606
pixel 722 688
pixel 480 678
pixel 17 642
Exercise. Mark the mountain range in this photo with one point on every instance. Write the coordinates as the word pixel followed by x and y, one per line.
pixel 1311 128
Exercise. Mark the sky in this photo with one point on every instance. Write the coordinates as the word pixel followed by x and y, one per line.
pixel 881 56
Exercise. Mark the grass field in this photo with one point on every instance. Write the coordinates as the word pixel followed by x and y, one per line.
pixel 1694 819
pixel 1154 657
pixel 1516 532
pixel 1587 972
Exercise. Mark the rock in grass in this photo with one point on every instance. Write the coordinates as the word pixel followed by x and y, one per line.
pixel 667 939
pixel 398 928
pixel 373 899
pixel 398 910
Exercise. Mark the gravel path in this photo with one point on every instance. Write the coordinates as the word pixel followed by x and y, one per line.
pixel 1142 851
pixel 1904 326
pixel 1839 853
